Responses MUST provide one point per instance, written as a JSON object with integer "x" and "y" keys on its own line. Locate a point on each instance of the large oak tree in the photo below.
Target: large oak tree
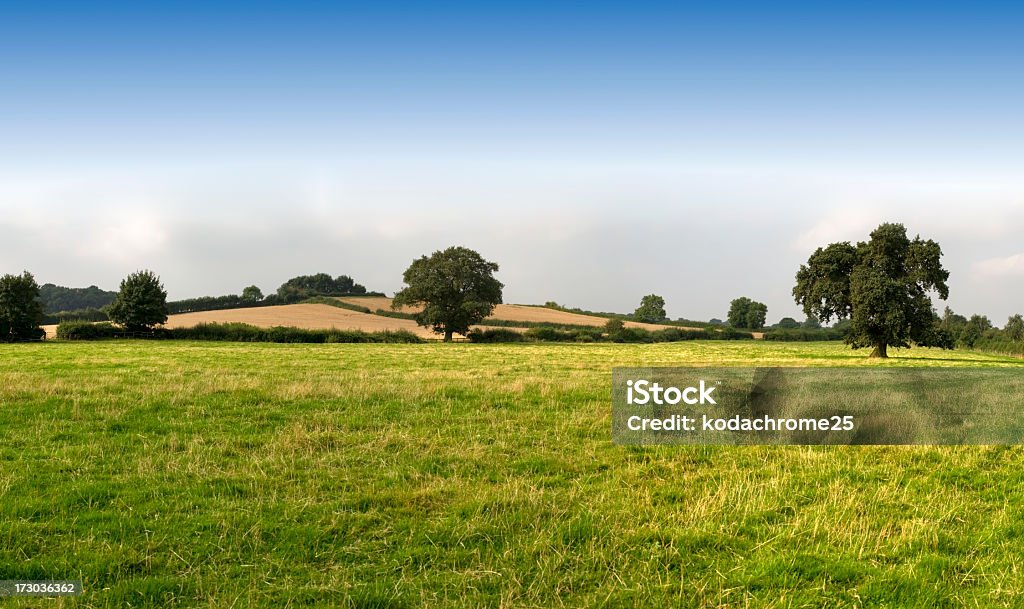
{"x": 883, "y": 286}
{"x": 456, "y": 288}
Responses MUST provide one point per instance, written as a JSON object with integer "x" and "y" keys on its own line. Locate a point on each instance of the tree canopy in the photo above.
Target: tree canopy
{"x": 141, "y": 303}
{"x": 56, "y": 298}
{"x": 455, "y": 287}
{"x": 21, "y": 310}
{"x": 320, "y": 284}
{"x": 881, "y": 285}
{"x": 748, "y": 314}
{"x": 651, "y": 309}
{"x": 252, "y": 294}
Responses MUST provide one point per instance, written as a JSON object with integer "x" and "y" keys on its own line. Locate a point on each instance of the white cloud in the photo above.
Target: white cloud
{"x": 125, "y": 237}
{"x": 846, "y": 224}
{"x": 1010, "y": 266}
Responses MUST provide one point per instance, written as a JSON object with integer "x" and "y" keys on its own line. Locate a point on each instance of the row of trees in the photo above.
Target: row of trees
{"x": 967, "y": 332}
{"x": 58, "y": 298}
{"x": 878, "y": 292}
{"x": 140, "y": 304}
{"x": 294, "y": 290}
{"x": 880, "y": 289}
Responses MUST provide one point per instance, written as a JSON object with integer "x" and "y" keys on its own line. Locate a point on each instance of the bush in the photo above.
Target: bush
{"x": 238, "y": 332}
{"x": 1004, "y": 346}
{"x": 672, "y": 335}
{"x": 495, "y": 335}
{"x": 84, "y": 330}
{"x": 633, "y": 335}
{"x": 803, "y": 335}
{"x": 550, "y": 334}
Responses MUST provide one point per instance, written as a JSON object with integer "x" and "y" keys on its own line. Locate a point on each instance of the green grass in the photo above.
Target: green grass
{"x": 213, "y": 475}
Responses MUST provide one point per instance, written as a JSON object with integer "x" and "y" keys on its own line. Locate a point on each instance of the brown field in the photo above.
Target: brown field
{"x": 310, "y": 316}
{"x": 513, "y": 312}
{"x": 320, "y": 316}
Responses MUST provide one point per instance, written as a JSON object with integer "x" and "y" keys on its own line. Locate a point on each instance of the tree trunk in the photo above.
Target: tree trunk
{"x": 880, "y": 350}
{"x": 447, "y": 336}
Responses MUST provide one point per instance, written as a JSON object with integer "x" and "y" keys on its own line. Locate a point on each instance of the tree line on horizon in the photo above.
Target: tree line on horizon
{"x": 878, "y": 292}
{"x": 90, "y": 304}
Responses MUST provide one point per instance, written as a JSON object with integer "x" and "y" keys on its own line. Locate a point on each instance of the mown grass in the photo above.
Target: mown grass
{"x": 189, "y": 474}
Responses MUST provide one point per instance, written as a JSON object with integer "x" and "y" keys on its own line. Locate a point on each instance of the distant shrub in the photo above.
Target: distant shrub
{"x": 281, "y": 334}
{"x": 1004, "y": 346}
{"x": 671, "y": 335}
{"x": 550, "y": 334}
{"x": 634, "y": 335}
{"x": 495, "y": 335}
{"x": 84, "y": 330}
{"x": 614, "y": 326}
{"x": 802, "y": 335}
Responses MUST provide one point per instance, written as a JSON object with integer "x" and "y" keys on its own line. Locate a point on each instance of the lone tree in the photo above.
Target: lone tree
{"x": 252, "y": 294}
{"x": 882, "y": 285}
{"x": 747, "y": 313}
{"x": 651, "y": 309}
{"x": 1014, "y": 327}
{"x": 141, "y": 303}
{"x": 21, "y": 310}
{"x": 456, "y": 288}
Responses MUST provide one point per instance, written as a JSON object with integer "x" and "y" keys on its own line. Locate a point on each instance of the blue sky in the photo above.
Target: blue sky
{"x": 699, "y": 153}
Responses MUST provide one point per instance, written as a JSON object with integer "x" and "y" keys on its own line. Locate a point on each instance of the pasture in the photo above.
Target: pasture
{"x": 186, "y": 474}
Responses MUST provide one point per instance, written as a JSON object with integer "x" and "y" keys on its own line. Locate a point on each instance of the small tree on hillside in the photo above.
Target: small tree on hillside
{"x": 651, "y": 309}
{"x": 252, "y": 294}
{"x": 882, "y": 285}
{"x": 21, "y": 311}
{"x": 748, "y": 314}
{"x": 141, "y": 303}
{"x": 456, "y": 288}
{"x": 613, "y": 328}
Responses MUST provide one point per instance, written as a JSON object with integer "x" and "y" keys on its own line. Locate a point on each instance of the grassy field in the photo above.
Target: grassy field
{"x": 229, "y": 475}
